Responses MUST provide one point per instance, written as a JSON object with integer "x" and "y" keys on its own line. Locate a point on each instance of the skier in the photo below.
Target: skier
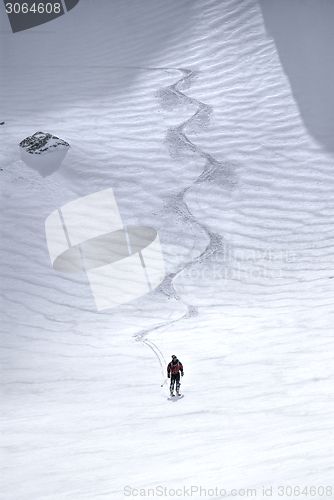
{"x": 173, "y": 372}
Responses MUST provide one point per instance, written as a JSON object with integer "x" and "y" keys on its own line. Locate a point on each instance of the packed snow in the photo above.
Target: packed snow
{"x": 183, "y": 108}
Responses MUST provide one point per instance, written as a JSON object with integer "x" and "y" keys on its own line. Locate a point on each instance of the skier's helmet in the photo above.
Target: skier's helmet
{"x": 174, "y": 357}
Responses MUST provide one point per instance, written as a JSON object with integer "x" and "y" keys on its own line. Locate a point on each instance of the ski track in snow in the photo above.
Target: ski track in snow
{"x": 177, "y": 139}
{"x": 82, "y": 412}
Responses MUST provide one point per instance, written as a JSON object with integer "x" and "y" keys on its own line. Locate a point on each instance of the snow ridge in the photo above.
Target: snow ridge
{"x": 213, "y": 171}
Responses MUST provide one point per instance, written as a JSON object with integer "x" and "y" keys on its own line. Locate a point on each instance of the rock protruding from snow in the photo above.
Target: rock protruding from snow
{"x": 40, "y": 143}
{"x": 43, "y": 152}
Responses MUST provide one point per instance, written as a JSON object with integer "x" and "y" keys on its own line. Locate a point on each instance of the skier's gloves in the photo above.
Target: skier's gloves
{"x": 182, "y": 374}
{"x": 168, "y": 375}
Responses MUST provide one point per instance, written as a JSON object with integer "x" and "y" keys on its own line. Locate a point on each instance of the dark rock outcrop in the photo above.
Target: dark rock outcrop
{"x": 43, "y": 152}
{"x": 41, "y": 143}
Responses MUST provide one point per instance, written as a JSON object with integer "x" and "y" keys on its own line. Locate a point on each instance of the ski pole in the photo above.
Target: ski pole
{"x": 164, "y": 382}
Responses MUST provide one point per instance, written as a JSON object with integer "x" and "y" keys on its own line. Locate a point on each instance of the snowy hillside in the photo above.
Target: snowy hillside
{"x": 184, "y": 110}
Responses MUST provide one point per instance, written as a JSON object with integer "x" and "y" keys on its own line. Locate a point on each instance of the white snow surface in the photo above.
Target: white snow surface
{"x": 83, "y": 411}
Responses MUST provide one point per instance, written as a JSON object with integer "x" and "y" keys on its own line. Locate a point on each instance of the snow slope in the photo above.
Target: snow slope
{"x": 183, "y": 109}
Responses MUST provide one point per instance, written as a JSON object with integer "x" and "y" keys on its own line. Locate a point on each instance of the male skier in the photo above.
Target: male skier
{"x": 173, "y": 372}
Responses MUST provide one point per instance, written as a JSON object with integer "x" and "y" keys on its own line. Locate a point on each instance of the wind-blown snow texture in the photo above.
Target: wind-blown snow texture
{"x": 183, "y": 109}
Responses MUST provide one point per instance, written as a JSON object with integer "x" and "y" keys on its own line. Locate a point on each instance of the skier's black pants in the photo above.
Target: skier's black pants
{"x": 173, "y": 379}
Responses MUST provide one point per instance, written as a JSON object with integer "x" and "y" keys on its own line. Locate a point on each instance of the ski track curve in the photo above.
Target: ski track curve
{"x": 213, "y": 170}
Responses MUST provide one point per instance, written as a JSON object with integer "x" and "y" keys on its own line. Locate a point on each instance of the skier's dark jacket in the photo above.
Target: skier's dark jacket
{"x": 174, "y": 368}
